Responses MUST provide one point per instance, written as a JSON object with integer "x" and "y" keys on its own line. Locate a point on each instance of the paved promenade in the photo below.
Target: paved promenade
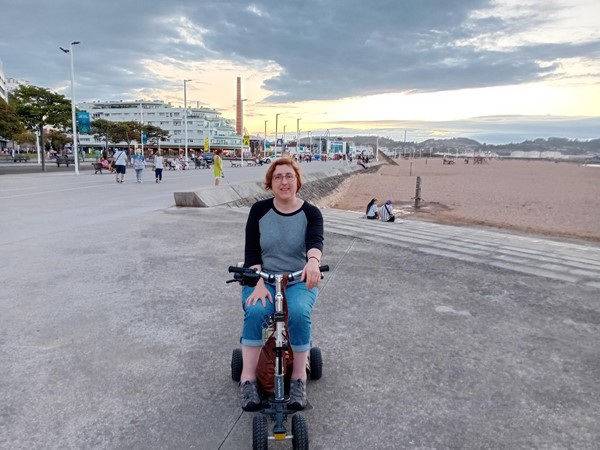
{"x": 116, "y": 326}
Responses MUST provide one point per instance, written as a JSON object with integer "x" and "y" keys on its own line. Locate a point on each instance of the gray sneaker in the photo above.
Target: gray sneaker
{"x": 249, "y": 396}
{"x": 297, "y": 395}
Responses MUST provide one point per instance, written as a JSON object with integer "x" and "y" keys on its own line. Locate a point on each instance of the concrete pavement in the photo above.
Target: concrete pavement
{"x": 432, "y": 336}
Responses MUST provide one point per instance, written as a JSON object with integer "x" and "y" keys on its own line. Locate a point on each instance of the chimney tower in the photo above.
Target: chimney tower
{"x": 239, "y": 125}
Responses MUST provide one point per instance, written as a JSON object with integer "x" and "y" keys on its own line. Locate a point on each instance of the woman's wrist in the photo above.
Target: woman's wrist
{"x": 314, "y": 257}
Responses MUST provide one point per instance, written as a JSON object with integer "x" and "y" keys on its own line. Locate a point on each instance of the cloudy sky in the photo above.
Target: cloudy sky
{"x": 496, "y": 71}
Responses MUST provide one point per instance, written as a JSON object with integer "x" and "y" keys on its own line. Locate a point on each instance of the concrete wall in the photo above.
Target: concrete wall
{"x": 315, "y": 185}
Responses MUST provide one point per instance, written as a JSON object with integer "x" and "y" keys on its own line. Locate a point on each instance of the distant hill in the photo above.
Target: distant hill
{"x": 562, "y": 145}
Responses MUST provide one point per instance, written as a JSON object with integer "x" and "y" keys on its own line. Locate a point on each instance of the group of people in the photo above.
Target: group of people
{"x": 117, "y": 163}
{"x": 178, "y": 164}
{"x": 385, "y": 212}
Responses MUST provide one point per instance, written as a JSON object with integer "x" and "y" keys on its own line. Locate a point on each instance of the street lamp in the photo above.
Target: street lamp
{"x": 276, "y": 135}
{"x": 283, "y": 141}
{"x": 185, "y": 116}
{"x": 73, "y": 118}
{"x": 142, "y": 128}
{"x": 265, "y": 141}
{"x": 242, "y": 132}
{"x": 298, "y": 135}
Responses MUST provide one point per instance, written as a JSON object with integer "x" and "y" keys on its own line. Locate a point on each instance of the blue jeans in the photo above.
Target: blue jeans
{"x": 300, "y": 301}
{"x": 138, "y": 174}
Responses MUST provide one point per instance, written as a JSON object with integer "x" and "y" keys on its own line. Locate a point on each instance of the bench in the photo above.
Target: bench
{"x": 235, "y": 164}
{"x": 19, "y": 157}
{"x": 98, "y": 168}
{"x": 200, "y": 164}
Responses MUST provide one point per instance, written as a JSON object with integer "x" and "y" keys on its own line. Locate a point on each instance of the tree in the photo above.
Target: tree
{"x": 125, "y": 131}
{"x": 10, "y": 124}
{"x": 58, "y": 140}
{"x": 25, "y": 137}
{"x": 38, "y": 106}
{"x": 155, "y": 134}
{"x": 103, "y": 129}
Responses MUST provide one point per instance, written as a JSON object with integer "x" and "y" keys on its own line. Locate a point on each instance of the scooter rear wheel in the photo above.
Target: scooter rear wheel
{"x": 300, "y": 432}
{"x": 260, "y": 433}
{"x": 316, "y": 363}
{"x": 237, "y": 364}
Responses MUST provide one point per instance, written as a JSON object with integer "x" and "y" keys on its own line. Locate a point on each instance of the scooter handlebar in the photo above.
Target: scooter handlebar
{"x": 247, "y": 272}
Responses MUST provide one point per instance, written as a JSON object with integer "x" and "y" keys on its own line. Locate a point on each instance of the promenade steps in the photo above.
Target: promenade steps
{"x": 566, "y": 261}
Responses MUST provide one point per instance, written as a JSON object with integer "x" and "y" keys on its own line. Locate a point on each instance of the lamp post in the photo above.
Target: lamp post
{"x": 242, "y": 132}
{"x": 265, "y": 141}
{"x": 142, "y": 128}
{"x": 185, "y": 116}
{"x": 310, "y": 141}
{"x": 73, "y": 115}
{"x": 298, "y": 135}
{"x": 276, "y": 134}
{"x": 283, "y": 140}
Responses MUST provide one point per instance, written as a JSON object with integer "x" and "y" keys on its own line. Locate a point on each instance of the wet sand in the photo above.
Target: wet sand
{"x": 556, "y": 199}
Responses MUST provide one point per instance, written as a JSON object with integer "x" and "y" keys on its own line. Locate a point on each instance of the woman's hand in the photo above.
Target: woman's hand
{"x": 261, "y": 293}
{"x": 311, "y": 274}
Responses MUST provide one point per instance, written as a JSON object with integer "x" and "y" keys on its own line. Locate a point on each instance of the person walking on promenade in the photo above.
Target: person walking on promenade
{"x": 159, "y": 165}
{"x": 138, "y": 162}
{"x": 284, "y": 234}
{"x": 120, "y": 163}
{"x": 218, "y": 167}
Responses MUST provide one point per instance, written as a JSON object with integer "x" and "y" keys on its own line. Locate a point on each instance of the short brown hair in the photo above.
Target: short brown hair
{"x": 268, "y": 183}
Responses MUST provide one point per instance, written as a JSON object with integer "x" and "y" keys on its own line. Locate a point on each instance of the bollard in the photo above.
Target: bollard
{"x": 418, "y": 193}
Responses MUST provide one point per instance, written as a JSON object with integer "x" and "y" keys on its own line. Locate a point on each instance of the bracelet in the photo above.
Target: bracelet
{"x": 318, "y": 260}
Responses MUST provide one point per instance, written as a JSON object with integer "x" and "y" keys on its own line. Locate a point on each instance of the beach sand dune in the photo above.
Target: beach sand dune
{"x": 558, "y": 199}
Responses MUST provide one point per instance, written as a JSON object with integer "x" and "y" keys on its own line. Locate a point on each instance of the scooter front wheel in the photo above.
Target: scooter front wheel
{"x": 300, "y": 432}
{"x": 260, "y": 433}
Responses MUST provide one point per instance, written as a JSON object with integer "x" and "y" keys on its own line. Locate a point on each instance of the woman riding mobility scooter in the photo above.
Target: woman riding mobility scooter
{"x": 275, "y": 405}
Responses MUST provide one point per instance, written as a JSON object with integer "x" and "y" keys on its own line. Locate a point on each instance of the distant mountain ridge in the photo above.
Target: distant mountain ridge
{"x": 562, "y": 145}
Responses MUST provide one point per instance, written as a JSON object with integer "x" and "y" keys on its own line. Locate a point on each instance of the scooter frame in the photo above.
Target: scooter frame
{"x": 277, "y": 407}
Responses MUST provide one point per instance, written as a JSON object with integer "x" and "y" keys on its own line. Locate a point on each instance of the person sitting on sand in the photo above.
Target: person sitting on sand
{"x": 372, "y": 210}
{"x": 386, "y": 212}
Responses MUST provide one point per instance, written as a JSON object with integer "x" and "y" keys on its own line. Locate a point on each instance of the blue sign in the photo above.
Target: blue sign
{"x": 144, "y": 138}
{"x": 83, "y": 122}
{"x": 267, "y": 144}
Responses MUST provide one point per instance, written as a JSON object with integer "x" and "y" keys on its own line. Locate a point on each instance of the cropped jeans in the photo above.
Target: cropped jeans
{"x": 300, "y": 301}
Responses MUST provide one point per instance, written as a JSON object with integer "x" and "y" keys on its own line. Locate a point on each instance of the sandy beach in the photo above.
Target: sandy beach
{"x": 557, "y": 199}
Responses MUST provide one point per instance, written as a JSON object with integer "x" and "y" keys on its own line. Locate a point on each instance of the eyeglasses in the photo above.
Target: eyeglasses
{"x": 288, "y": 177}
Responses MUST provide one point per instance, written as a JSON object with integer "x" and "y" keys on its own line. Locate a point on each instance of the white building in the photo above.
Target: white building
{"x": 14, "y": 83}
{"x": 202, "y": 122}
{"x": 3, "y": 85}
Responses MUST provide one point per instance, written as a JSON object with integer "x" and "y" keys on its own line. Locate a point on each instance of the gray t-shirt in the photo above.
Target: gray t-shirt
{"x": 280, "y": 241}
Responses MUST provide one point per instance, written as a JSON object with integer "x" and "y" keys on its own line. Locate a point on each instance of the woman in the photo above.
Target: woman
{"x": 284, "y": 234}
{"x": 372, "y": 210}
{"x": 158, "y": 166}
{"x": 138, "y": 162}
{"x": 218, "y": 167}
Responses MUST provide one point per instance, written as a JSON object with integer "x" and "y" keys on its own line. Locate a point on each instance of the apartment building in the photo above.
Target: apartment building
{"x": 3, "y": 85}
{"x": 202, "y": 123}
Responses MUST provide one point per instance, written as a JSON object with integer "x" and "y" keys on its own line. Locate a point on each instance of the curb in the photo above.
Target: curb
{"x": 314, "y": 185}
